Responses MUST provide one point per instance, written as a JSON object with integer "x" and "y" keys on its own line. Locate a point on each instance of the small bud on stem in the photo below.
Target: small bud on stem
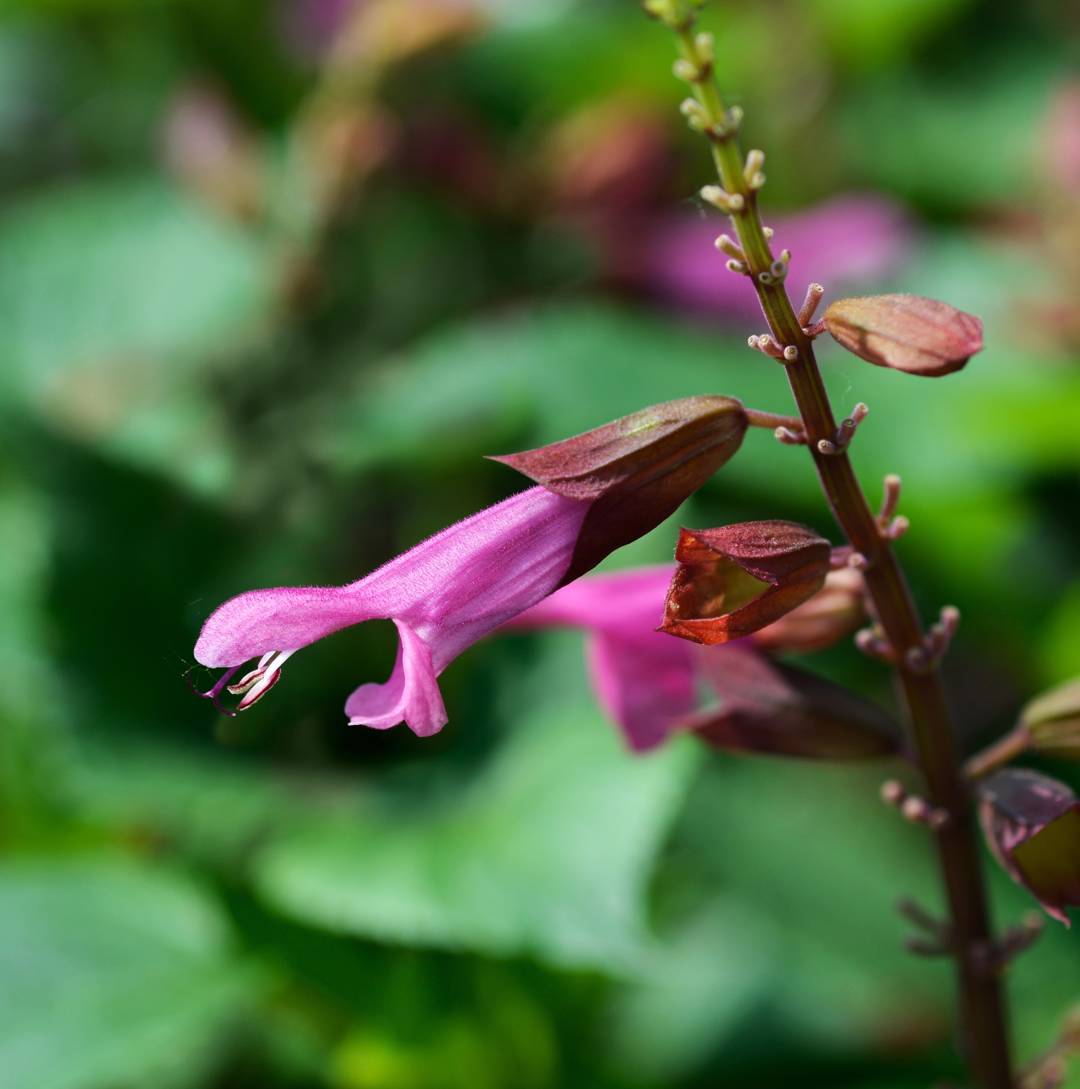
{"x": 752, "y": 171}
{"x": 890, "y": 499}
{"x": 872, "y": 642}
{"x": 728, "y": 245}
{"x": 814, "y": 295}
{"x": 729, "y": 203}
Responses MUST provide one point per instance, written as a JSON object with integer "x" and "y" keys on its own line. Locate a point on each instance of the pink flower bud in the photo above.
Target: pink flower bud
{"x": 735, "y": 580}
{"x": 906, "y": 332}
{"x": 1032, "y": 825}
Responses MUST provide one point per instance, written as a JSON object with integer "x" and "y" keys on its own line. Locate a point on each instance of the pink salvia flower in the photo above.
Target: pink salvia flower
{"x": 443, "y": 595}
{"x": 598, "y": 491}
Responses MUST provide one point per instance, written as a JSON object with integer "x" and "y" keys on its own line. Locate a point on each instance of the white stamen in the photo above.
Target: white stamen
{"x": 257, "y": 683}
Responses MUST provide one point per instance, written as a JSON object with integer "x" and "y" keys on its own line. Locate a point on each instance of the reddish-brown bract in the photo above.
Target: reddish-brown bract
{"x": 734, "y": 580}
{"x": 636, "y": 470}
{"x": 906, "y": 332}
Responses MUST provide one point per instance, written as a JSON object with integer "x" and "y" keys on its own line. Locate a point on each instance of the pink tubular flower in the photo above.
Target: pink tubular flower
{"x": 599, "y": 490}
{"x": 647, "y": 681}
{"x": 644, "y": 680}
{"x": 443, "y": 595}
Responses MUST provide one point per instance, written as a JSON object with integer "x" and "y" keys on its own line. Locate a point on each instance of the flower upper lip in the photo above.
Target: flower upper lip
{"x": 443, "y": 595}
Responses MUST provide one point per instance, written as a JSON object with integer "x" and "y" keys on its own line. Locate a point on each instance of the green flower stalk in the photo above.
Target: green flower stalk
{"x": 897, "y": 636}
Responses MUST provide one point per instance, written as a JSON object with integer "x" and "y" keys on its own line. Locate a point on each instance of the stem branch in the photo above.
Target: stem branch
{"x": 1001, "y": 752}
{"x": 984, "y": 1033}
{"x": 772, "y": 420}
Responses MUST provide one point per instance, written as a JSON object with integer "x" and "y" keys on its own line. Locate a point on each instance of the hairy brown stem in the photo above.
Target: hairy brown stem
{"x": 984, "y": 1033}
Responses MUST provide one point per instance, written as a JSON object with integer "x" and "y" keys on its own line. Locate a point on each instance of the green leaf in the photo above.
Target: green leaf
{"x": 113, "y": 296}
{"x": 114, "y": 975}
{"x": 868, "y": 36}
{"x": 712, "y": 971}
{"x": 996, "y": 106}
{"x": 804, "y": 865}
{"x": 547, "y": 852}
{"x": 210, "y": 802}
{"x": 34, "y": 730}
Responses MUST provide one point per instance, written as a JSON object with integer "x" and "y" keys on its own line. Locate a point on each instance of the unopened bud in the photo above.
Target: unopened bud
{"x": 833, "y": 613}
{"x": 636, "y": 470}
{"x": 737, "y": 579}
{"x": 686, "y": 70}
{"x": 752, "y": 171}
{"x": 695, "y": 114}
{"x": 722, "y": 199}
{"x": 905, "y": 332}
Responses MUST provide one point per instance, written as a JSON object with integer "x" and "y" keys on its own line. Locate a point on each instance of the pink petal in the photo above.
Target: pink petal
{"x": 451, "y": 588}
{"x": 287, "y": 617}
{"x": 644, "y": 681}
{"x": 625, "y": 601}
{"x": 411, "y": 695}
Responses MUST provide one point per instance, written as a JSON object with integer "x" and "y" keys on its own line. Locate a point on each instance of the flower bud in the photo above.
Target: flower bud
{"x": 766, "y": 707}
{"x": 1032, "y": 825}
{"x": 905, "y": 332}
{"x": 1052, "y": 720}
{"x": 835, "y": 611}
{"x": 735, "y": 580}
{"x": 636, "y": 470}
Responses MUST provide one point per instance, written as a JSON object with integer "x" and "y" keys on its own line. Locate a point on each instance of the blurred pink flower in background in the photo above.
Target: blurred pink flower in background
{"x": 1063, "y": 137}
{"x": 644, "y": 680}
{"x": 846, "y": 240}
{"x": 648, "y": 682}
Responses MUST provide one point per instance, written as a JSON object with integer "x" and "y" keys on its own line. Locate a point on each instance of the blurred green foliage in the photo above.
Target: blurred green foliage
{"x": 264, "y": 307}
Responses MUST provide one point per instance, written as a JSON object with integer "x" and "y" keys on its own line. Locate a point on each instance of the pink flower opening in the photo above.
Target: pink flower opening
{"x": 443, "y": 595}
